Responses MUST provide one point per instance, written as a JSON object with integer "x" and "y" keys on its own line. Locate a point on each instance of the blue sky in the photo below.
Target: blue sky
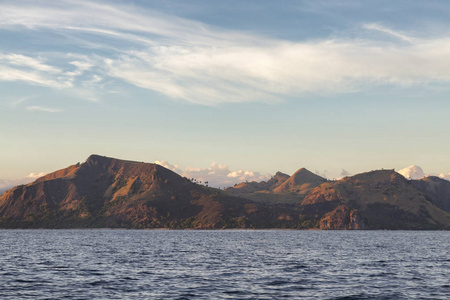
{"x": 237, "y": 89}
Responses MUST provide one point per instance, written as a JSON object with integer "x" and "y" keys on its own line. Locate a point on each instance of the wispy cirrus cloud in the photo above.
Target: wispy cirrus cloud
{"x": 188, "y": 60}
{"x": 31, "y": 77}
{"x": 389, "y": 31}
{"x": 44, "y": 109}
{"x": 35, "y": 71}
{"x": 29, "y": 62}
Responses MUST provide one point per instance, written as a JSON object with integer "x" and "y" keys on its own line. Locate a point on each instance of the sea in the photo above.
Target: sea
{"x": 224, "y": 264}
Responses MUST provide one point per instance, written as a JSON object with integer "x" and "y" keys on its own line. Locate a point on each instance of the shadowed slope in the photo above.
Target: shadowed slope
{"x": 436, "y": 189}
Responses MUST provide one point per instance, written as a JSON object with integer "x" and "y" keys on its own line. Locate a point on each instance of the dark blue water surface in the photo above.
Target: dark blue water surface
{"x": 161, "y": 264}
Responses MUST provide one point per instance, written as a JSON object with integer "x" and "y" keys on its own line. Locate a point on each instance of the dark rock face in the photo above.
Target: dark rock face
{"x": 342, "y": 217}
{"x": 276, "y": 181}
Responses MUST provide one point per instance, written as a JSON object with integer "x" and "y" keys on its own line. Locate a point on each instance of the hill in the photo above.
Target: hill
{"x": 380, "y": 199}
{"x": 252, "y": 187}
{"x": 281, "y": 189}
{"x": 108, "y": 192}
{"x": 436, "y": 189}
{"x": 301, "y": 182}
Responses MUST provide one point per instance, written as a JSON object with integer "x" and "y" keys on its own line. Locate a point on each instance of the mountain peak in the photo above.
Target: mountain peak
{"x": 280, "y": 174}
{"x": 302, "y": 170}
{"x": 278, "y": 178}
{"x": 302, "y": 180}
{"x": 251, "y": 187}
{"x": 94, "y": 158}
{"x": 303, "y": 174}
{"x": 383, "y": 175}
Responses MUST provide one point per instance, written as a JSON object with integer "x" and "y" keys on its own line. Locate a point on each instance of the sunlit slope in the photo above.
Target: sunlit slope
{"x": 108, "y": 192}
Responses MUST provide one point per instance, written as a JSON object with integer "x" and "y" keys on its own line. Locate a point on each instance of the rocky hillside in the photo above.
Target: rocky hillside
{"x": 375, "y": 200}
{"x": 301, "y": 182}
{"x": 107, "y": 192}
{"x": 380, "y": 199}
{"x": 281, "y": 189}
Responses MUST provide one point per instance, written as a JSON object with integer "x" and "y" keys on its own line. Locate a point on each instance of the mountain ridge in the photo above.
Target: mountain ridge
{"x": 109, "y": 192}
{"x": 300, "y": 181}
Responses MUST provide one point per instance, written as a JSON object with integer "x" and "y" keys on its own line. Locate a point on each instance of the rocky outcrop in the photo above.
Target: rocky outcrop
{"x": 342, "y": 217}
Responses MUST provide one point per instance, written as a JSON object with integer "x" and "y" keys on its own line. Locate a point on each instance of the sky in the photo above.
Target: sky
{"x": 225, "y": 91}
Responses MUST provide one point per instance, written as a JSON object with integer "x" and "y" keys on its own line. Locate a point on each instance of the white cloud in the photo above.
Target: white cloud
{"x": 18, "y": 67}
{"x": 445, "y": 176}
{"x": 416, "y": 172}
{"x": 32, "y": 77}
{"x": 241, "y": 173}
{"x": 35, "y": 175}
{"x": 412, "y": 172}
{"x": 194, "y": 62}
{"x": 217, "y": 175}
{"x": 169, "y": 166}
{"x": 80, "y": 66}
{"x": 9, "y": 183}
{"x": 44, "y": 109}
{"x": 26, "y": 61}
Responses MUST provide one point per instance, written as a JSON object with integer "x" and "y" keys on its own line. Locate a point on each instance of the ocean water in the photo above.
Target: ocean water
{"x": 234, "y": 264}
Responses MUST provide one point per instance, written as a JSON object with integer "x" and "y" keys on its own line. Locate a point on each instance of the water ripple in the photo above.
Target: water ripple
{"x": 118, "y": 264}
